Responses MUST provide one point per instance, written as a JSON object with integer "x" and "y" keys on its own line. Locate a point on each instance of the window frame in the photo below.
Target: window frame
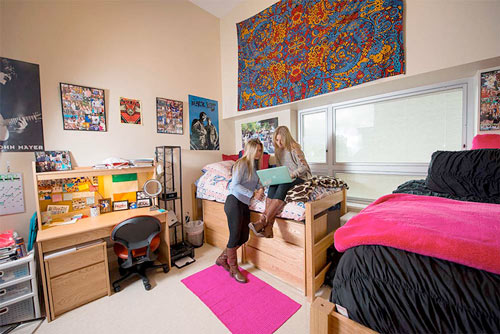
{"x": 301, "y": 114}
{"x": 329, "y": 168}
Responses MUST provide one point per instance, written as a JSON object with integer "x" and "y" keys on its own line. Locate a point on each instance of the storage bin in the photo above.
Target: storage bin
{"x": 14, "y": 291}
{"x": 15, "y": 272}
{"x": 194, "y": 232}
{"x": 20, "y": 311}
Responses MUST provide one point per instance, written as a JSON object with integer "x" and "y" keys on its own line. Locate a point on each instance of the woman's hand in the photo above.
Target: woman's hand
{"x": 259, "y": 194}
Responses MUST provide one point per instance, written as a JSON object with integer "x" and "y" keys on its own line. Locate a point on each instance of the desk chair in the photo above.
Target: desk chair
{"x": 136, "y": 239}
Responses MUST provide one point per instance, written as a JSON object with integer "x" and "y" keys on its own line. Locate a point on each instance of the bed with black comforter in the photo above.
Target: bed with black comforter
{"x": 394, "y": 291}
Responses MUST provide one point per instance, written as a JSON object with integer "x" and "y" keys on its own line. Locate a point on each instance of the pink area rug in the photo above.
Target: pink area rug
{"x": 254, "y": 307}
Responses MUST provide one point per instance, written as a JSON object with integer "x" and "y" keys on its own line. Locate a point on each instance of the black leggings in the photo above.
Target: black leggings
{"x": 278, "y": 191}
{"x": 238, "y": 218}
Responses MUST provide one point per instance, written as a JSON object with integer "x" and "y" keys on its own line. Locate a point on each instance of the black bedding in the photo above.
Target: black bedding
{"x": 394, "y": 291}
{"x": 419, "y": 187}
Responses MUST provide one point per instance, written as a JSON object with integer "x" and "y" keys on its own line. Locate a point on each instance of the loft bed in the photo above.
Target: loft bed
{"x": 298, "y": 252}
{"x": 448, "y": 282}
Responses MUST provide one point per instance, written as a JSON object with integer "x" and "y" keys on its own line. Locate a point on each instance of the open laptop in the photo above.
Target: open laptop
{"x": 272, "y": 176}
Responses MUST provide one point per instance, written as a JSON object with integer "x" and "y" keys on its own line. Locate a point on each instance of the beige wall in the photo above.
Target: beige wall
{"x": 132, "y": 49}
{"x": 439, "y": 36}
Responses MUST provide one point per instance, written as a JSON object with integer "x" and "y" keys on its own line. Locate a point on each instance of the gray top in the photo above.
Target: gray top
{"x": 295, "y": 161}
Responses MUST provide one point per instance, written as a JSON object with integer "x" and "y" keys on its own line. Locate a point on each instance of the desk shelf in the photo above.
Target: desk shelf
{"x": 89, "y": 171}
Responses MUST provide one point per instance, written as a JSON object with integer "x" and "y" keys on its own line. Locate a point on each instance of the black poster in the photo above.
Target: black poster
{"x": 20, "y": 107}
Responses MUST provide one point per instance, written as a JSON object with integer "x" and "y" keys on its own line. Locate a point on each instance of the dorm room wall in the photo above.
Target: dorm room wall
{"x": 444, "y": 40}
{"x": 134, "y": 49}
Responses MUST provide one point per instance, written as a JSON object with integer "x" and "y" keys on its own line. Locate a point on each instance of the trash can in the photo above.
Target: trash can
{"x": 194, "y": 232}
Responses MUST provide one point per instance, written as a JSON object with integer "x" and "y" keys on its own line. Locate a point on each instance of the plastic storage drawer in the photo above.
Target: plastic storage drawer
{"x": 15, "y": 272}
{"x": 22, "y": 310}
{"x": 14, "y": 291}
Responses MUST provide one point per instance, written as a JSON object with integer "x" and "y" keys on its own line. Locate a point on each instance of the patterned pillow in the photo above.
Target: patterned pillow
{"x": 221, "y": 168}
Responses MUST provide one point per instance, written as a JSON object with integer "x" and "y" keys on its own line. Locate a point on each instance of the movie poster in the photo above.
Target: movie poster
{"x": 20, "y": 107}
{"x": 203, "y": 123}
{"x": 263, "y": 130}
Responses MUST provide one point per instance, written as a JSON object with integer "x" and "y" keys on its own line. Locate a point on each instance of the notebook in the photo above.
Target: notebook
{"x": 272, "y": 176}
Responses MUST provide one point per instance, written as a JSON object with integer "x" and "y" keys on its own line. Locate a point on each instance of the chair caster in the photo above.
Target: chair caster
{"x": 165, "y": 269}
{"x": 147, "y": 287}
{"x": 116, "y": 288}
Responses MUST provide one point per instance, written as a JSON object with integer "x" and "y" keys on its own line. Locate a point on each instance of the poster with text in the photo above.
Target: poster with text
{"x": 263, "y": 130}
{"x": 203, "y": 123}
{"x": 130, "y": 111}
{"x": 20, "y": 107}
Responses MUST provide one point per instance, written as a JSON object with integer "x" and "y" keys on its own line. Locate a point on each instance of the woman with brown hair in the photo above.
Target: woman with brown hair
{"x": 243, "y": 186}
{"x": 288, "y": 153}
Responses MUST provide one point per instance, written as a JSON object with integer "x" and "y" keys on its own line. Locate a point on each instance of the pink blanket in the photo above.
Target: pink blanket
{"x": 463, "y": 232}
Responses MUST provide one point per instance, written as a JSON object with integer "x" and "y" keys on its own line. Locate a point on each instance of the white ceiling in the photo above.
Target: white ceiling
{"x": 218, "y": 8}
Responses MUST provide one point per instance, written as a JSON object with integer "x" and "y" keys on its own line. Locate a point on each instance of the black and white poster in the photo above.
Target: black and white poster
{"x": 20, "y": 107}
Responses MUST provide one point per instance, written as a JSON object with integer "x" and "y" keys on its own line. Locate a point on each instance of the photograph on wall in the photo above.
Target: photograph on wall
{"x": 52, "y": 161}
{"x": 489, "y": 100}
{"x": 130, "y": 111}
{"x": 20, "y": 107}
{"x": 83, "y": 108}
{"x": 169, "y": 116}
{"x": 263, "y": 130}
{"x": 203, "y": 123}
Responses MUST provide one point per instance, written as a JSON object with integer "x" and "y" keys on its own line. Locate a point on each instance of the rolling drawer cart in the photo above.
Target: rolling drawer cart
{"x": 18, "y": 291}
{"x": 169, "y": 169}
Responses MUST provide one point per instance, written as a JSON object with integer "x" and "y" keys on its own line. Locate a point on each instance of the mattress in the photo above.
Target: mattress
{"x": 394, "y": 291}
{"x": 213, "y": 187}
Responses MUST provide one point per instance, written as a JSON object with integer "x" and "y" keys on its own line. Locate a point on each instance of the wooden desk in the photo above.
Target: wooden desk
{"x": 89, "y": 229}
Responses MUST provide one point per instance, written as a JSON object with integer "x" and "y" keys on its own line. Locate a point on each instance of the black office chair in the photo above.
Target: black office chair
{"x": 136, "y": 240}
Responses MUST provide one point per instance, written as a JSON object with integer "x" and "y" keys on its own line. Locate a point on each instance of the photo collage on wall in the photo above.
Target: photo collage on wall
{"x": 263, "y": 130}
{"x": 83, "y": 108}
{"x": 20, "y": 107}
{"x": 169, "y": 116}
{"x": 489, "y": 100}
{"x": 204, "y": 123}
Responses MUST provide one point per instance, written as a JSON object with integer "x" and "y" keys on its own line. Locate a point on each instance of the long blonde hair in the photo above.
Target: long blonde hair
{"x": 248, "y": 157}
{"x": 286, "y": 137}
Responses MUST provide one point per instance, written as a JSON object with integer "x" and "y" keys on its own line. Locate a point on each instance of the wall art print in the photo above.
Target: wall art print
{"x": 20, "y": 107}
{"x": 297, "y": 49}
{"x": 83, "y": 108}
{"x": 489, "y": 100}
{"x": 263, "y": 130}
{"x": 169, "y": 116}
{"x": 130, "y": 111}
{"x": 204, "y": 123}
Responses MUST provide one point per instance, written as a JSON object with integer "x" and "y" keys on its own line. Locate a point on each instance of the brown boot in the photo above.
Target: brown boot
{"x": 276, "y": 206}
{"x": 258, "y": 227}
{"x": 232, "y": 260}
{"x": 222, "y": 260}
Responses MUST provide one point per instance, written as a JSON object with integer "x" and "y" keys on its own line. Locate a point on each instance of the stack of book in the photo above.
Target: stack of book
{"x": 142, "y": 162}
{"x": 8, "y": 253}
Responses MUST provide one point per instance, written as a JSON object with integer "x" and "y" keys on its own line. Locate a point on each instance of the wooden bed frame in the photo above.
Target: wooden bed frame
{"x": 325, "y": 320}
{"x": 296, "y": 254}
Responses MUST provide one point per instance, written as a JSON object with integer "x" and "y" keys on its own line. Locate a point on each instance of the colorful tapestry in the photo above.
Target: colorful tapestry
{"x": 298, "y": 49}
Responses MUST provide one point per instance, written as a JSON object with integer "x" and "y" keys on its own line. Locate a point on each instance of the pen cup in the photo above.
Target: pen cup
{"x": 94, "y": 211}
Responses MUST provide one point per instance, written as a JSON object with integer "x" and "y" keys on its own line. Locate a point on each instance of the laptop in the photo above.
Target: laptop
{"x": 272, "y": 176}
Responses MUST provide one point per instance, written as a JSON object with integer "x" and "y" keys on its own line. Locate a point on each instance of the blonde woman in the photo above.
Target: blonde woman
{"x": 288, "y": 153}
{"x": 243, "y": 186}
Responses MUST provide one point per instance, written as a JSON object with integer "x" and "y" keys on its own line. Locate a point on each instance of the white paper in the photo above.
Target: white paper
{"x": 11, "y": 193}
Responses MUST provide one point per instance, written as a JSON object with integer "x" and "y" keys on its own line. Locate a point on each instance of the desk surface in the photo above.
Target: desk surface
{"x": 95, "y": 223}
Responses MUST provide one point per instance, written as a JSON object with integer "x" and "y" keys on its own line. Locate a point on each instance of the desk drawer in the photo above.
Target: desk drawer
{"x": 78, "y": 259}
{"x": 79, "y": 287}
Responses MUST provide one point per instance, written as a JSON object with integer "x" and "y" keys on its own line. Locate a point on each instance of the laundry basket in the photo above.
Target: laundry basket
{"x": 194, "y": 232}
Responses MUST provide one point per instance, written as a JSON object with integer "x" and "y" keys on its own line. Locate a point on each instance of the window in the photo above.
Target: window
{"x": 314, "y": 136}
{"x": 380, "y": 142}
